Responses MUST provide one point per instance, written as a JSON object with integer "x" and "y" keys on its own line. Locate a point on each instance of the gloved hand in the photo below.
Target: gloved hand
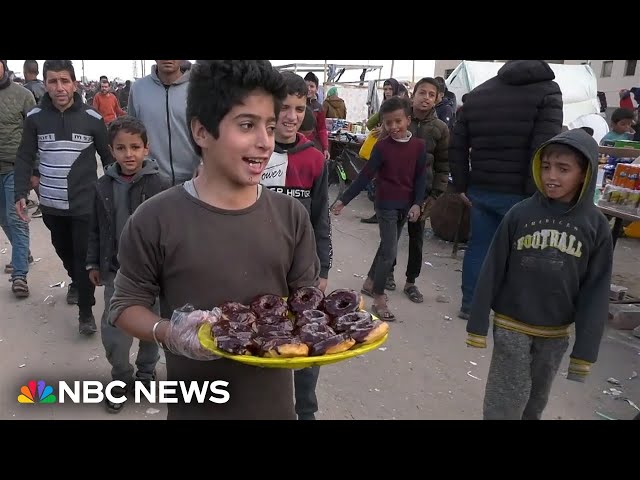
{"x": 181, "y": 337}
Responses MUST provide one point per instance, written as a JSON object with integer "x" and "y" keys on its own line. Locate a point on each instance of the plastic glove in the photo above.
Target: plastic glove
{"x": 182, "y": 335}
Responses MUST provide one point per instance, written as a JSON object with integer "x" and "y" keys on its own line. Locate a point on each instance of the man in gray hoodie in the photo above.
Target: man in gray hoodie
{"x": 159, "y": 100}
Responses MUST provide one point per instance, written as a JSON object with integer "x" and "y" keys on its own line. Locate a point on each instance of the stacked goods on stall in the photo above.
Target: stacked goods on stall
{"x": 623, "y": 192}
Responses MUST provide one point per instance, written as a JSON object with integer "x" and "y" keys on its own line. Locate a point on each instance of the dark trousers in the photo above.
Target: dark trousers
{"x": 70, "y": 237}
{"x": 305, "y": 381}
{"x": 522, "y": 371}
{"x": 416, "y": 240}
{"x": 390, "y": 223}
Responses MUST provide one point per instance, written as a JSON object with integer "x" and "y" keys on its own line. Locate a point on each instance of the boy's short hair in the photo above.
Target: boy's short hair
{"x": 296, "y": 85}
{"x": 620, "y": 114}
{"x": 430, "y": 81}
{"x": 311, "y": 77}
{"x": 130, "y": 125}
{"x": 59, "y": 66}
{"x": 216, "y": 86}
{"x": 395, "y": 103}
{"x": 563, "y": 149}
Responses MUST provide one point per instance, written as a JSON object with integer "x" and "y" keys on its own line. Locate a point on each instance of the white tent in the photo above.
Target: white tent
{"x": 578, "y": 84}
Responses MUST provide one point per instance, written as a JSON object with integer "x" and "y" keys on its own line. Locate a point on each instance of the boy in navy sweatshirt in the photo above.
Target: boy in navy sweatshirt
{"x": 402, "y": 165}
{"x": 548, "y": 267}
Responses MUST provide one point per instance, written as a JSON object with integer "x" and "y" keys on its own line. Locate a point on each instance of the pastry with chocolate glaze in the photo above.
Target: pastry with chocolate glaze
{"x": 361, "y": 327}
{"x": 342, "y": 301}
{"x": 332, "y": 345}
{"x": 284, "y": 347}
{"x": 237, "y": 344}
{"x": 271, "y": 305}
{"x": 305, "y": 298}
{"x": 313, "y": 333}
{"x": 312, "y": 316}
{"x": 237, "y": 312}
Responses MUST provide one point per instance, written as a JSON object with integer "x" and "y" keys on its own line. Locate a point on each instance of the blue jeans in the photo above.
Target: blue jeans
{"x": 16, "y": 230}
{"x": 488, "y": 210}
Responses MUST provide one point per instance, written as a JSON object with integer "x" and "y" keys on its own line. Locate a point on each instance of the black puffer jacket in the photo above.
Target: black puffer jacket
{"x": 503, "y": 122}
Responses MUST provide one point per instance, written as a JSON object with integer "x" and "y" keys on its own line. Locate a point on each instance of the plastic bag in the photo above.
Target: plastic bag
{"x": 182, "y": 334}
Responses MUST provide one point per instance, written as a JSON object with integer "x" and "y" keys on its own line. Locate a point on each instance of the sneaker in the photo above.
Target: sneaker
{"x": 72, "y": 295}
{"x": 37, "y": 213}
{"x": 20, "y": 288}
{"x": 31, "y": 204}
{"x": 113, "y": 407}
{"x": 372, "y": 219}
{"x": 464, "y": 314}
{"x": 87, "y": 324}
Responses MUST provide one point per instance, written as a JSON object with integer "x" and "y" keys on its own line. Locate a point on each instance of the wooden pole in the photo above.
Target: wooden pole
{"x": 325, "y": 71}
{"x": 393, "y": 62}
{"x": 413, "y": 72}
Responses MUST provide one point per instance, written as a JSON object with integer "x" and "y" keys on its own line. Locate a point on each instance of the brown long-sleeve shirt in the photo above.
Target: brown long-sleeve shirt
{"x": 187, "y": 251}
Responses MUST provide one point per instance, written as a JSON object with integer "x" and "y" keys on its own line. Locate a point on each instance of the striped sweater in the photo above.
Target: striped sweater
{"x": 66, "y": 144}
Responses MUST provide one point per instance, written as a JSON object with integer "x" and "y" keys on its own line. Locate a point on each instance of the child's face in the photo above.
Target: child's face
{"x": 425, "y": 97}
{"x": 129, "y": 151}
{"x": 562, "y": 176}
{"x": 396, "y": 124}
{"x": 290, "y": 118}
{"x": 623, "y": 126}
{"x": 247, "y": 137}
{"x": 387, "y": 91}
{"x": 313, "y": 89}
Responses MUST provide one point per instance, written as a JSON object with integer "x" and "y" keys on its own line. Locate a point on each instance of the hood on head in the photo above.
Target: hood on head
{"x": 579, "y": 139}
{"x": 395, "y": 86}
{"x": 525, "y": 72}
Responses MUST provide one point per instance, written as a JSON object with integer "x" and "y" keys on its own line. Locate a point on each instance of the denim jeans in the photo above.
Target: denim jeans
{"x": 16, "y": 230}
{"x": 488, "y": 210}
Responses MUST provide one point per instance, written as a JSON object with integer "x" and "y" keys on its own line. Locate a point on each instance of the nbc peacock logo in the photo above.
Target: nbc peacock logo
{"x": 36, "y": 392}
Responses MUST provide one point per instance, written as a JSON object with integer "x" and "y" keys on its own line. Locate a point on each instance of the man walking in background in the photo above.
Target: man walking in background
{"x": 503, "y": 122}
{"x": 159, "y": 100}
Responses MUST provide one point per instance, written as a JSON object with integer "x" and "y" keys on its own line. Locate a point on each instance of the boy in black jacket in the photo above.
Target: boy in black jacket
{"x": 549, "y": 266}
{"x": 124, "y": 186}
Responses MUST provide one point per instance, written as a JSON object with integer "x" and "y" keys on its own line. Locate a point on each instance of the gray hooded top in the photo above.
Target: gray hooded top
{"x": 550, "y": 262}
{"x": 163, "y": 110}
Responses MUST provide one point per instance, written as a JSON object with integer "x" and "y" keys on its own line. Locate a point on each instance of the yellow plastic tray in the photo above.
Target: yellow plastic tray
{"x": 204, "y": 335}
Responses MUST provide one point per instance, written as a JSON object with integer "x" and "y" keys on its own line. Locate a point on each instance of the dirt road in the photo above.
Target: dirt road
{"x": 424, "y": 371}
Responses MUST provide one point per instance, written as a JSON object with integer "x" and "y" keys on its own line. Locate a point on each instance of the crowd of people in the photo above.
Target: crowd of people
{"x": 215, "y": 189}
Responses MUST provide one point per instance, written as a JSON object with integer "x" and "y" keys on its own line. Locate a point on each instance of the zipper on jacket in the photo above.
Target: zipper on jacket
{"x": 173, "y": 173}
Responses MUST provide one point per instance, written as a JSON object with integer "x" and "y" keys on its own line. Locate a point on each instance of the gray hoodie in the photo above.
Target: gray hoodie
{"x": 163, "y": 110}
{"x": 550, "y": 264}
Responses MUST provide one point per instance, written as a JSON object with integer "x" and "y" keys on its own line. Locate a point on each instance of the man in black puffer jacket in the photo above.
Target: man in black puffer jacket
{"x": 503, "y": 122}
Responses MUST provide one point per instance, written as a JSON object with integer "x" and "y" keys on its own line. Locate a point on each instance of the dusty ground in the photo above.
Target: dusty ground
{"x": 424, "y": 371}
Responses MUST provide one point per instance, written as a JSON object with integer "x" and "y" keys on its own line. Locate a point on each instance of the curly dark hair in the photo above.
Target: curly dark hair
{"x": 395, "y": 103}
{"x": 295, "y": 84}
{"x": 216, "y": 86}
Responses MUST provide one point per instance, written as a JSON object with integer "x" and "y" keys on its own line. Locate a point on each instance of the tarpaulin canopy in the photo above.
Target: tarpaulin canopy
{"x": 578, "y": 84}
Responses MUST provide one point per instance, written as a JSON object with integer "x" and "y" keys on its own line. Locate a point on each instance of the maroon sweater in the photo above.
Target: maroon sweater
{"x": 401, "y": 170}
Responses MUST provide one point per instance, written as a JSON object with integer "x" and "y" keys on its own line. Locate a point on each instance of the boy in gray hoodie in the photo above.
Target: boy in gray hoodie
{"x": 548, "y": 267}
{"x": 119, "y": 192}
